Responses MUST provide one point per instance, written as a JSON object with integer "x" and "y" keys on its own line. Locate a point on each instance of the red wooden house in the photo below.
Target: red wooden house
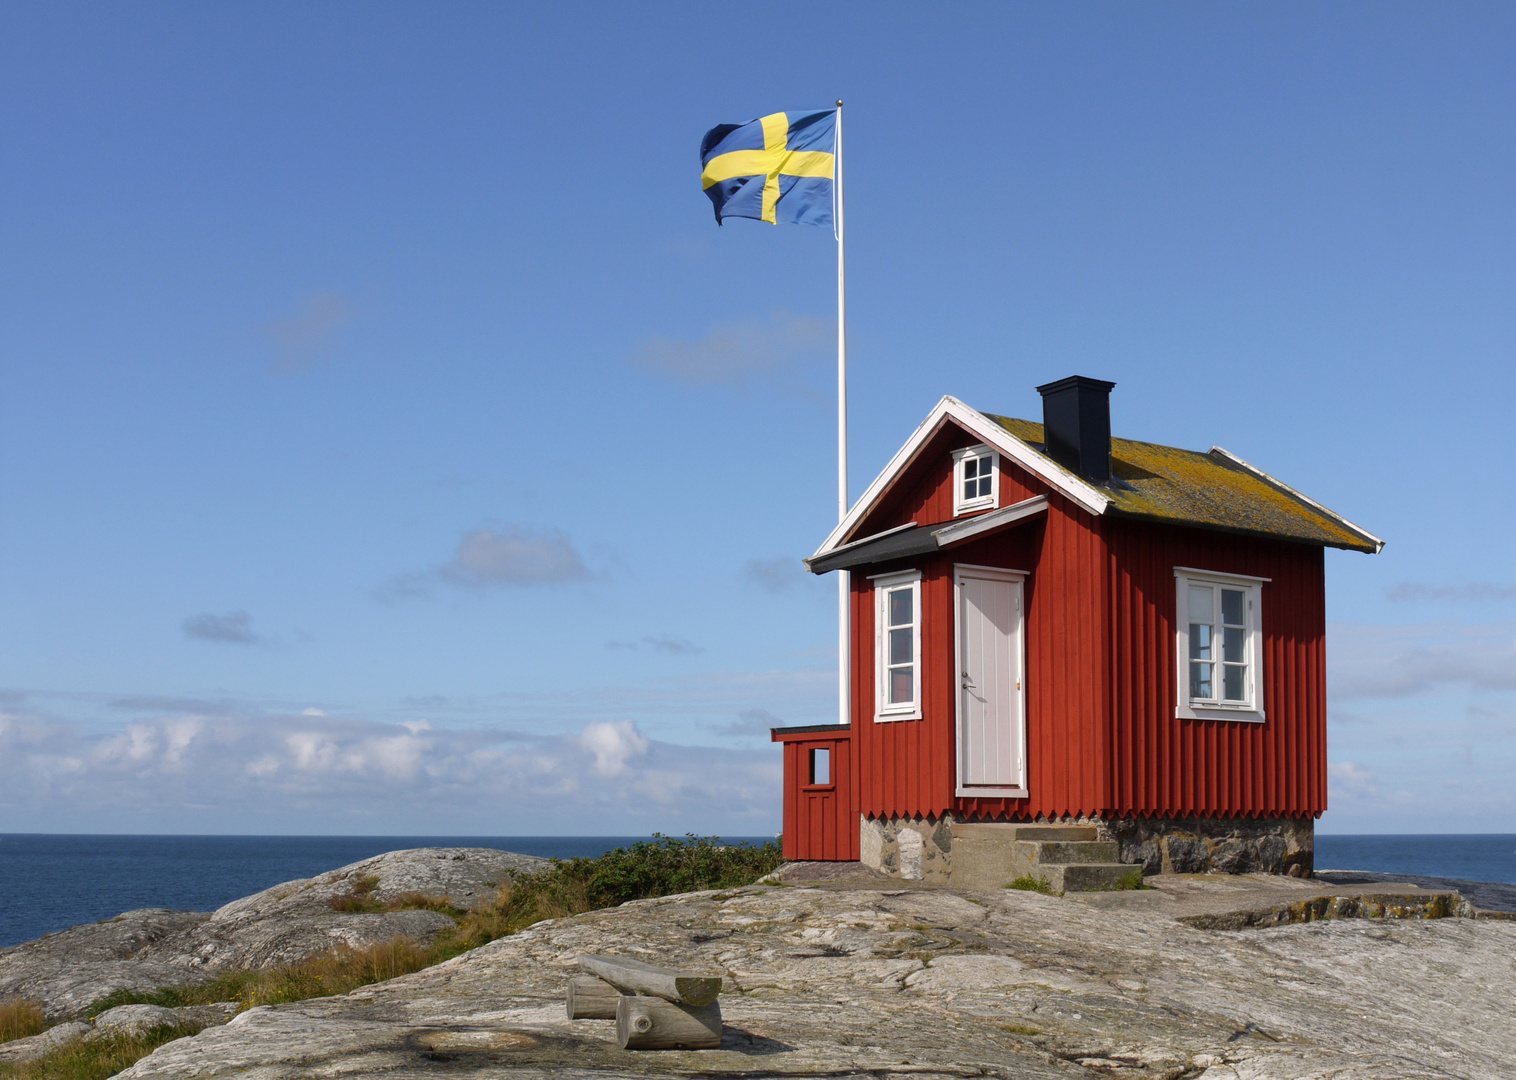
{"x": 1052, "y": 626}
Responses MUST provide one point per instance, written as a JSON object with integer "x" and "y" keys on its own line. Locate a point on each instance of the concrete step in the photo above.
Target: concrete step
{"x": 1087, "y": 877}
{"x": 1010, "y": 830}
{"x": 991, "y": 855}
{"x": 1044, "y": 852}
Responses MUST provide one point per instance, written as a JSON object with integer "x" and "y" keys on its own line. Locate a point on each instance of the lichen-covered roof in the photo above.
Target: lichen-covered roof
{"x": 1211, "y": 490}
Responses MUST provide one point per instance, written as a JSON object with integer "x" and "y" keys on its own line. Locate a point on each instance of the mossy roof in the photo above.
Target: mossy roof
{"x": 1211, "y": 490}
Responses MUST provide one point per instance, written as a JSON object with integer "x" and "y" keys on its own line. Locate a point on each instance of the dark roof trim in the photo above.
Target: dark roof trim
{"x": 843, "y": 731}
{"x": 903, "y": 541}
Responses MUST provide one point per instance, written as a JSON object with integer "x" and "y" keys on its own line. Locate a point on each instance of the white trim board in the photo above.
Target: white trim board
{"x": 960, "y": 531}
{"x": 951, "y": 410}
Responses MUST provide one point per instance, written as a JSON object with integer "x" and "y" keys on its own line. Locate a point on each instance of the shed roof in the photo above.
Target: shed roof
{"x": 1215, "y": 490}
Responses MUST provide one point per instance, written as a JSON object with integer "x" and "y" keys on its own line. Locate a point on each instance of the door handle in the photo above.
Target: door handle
{"x": 967, "y": 685}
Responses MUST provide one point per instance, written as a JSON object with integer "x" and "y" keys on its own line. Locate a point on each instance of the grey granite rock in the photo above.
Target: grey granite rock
{"x": 66, "y": 971}
{"x": 141, "y": 950}
{"x": 854, "y": 978}
{"x": 132, "y": 1020}
{"x": 18, "y": 1051}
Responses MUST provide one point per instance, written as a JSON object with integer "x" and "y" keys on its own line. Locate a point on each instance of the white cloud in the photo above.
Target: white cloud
{"x": 775, "y": 575}
{"x": 486, "y": 558}
{"x": 664, "y": 643}
{"x": 276, "y": 772}
{"x": 752, "y": 722}
{"x": 512, "y": 555}
{"x": 736, "y": 352}
{"x": 613, "y": 744}
{"x": 1350, "y": 779}
{"x": 1473, "y": 591}
{"x": 233, "y": 628}
{"x": 1369, "y": 661}
{"x": 302, "y": 338}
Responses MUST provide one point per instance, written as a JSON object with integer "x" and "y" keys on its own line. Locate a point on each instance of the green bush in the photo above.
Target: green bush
{"x": 1032, "y": 884}
{"x": 657, "y": 867}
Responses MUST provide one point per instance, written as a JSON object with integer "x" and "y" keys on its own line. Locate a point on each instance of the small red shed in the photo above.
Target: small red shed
{"x": 1050, "y": 625}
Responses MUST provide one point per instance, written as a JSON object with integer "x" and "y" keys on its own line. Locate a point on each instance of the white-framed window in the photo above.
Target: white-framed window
{"x": 1219, "y": 644}
{"x": 976, "y": 479}
{"x": 897, "y": 646}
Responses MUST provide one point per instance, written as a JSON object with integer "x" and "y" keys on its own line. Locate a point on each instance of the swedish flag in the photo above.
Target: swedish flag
{"x": 777, "y": 169}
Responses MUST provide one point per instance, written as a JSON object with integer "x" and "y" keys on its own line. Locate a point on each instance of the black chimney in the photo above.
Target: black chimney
{"x": 1076, "y": 425}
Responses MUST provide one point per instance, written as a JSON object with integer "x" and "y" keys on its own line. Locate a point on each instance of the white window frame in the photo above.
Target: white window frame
{"x": 979, "y": 502}
{"x": 884, "y": 584}
{"x": 1188, "y": 708}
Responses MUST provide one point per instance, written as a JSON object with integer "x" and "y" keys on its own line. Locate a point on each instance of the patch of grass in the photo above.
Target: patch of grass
{"x": 335, "y": 972}
{"x": 20, "y": 1018}
{"x": 1018, "y": 1029}
{"x": 228, "y": 986}
{"x": 1133, "y": 880}
{"x": 418, "y": 901}
{"x": 97, "y": 1059}
{"x": 359, "y": 899}
{"x": 1028, "y": 883}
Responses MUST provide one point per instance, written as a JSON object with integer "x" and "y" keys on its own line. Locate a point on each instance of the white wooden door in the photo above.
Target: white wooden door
{"x": 991, "y": 713}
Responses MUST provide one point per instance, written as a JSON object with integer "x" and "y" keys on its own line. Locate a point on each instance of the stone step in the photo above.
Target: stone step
{"x": 1086, "y": 877}
{"x": 1045, "y": 852}
{"x": 1011, "y": 830}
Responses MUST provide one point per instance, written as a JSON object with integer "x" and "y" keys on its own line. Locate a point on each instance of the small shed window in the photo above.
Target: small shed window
{"x": 897, "y": 646}
{"x": 1219, "y": 644}
{"x": 976, "y": 479}
{"x": 821, "y": 766}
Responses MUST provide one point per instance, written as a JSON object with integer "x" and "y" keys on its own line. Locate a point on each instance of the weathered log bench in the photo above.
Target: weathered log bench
{"x": 655, "y": 1008}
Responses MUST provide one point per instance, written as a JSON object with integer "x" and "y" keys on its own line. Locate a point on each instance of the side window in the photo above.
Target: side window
{"x": 897, "y": 646}
{"x": 976, "y": 479}
{"x": 1219, "y": 643}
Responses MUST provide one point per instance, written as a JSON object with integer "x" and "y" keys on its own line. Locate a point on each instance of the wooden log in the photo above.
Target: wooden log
{"x": 634, "y": 977}
{"x": 653, "y": 1023}
{"x": 590, "y": 998}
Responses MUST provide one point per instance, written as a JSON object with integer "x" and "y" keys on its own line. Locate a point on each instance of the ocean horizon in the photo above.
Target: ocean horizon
{"x": 51, "y": 881}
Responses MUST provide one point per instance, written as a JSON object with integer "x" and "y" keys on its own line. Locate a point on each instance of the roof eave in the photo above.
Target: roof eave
{"x": 1261, "y": 534}
{"x": 1373, "y": 544}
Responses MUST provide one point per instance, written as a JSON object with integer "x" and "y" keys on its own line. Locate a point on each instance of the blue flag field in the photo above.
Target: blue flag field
{"x": 778, "y": 168}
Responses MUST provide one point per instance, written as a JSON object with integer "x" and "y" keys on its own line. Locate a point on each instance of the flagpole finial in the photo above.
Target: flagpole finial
{"x": 839, "y": 103}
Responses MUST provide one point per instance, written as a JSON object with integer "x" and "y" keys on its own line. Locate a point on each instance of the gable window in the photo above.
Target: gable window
{"x": 976, "y": 479}
{"x": 1219, "y": 645}
{"x": 897, "y": 646}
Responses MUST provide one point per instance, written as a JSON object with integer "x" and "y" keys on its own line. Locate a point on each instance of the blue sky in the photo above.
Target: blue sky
{"x": 391, "y": 442}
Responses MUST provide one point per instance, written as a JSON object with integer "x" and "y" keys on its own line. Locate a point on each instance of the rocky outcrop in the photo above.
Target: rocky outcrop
{"x": 857, "y": 977}
{"x": 142, "y": 950}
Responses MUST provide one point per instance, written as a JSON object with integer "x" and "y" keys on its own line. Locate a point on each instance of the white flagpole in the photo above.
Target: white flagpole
{"x": 843, "y": 689}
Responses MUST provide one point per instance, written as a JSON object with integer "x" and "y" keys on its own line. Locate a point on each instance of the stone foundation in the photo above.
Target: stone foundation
{"x": 921, "y": 849}
{"x": 1197, "y": 845}
{"x": 916, "y": 849}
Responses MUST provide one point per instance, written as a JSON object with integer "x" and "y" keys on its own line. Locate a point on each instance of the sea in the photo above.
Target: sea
{"x": 50, "y": 882}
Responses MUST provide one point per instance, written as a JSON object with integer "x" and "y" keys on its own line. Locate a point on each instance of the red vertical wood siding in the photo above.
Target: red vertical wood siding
{"x": 1164, "y": 765}
{"x": 1101, "y": 674}
{"x": 820, "y": 820}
